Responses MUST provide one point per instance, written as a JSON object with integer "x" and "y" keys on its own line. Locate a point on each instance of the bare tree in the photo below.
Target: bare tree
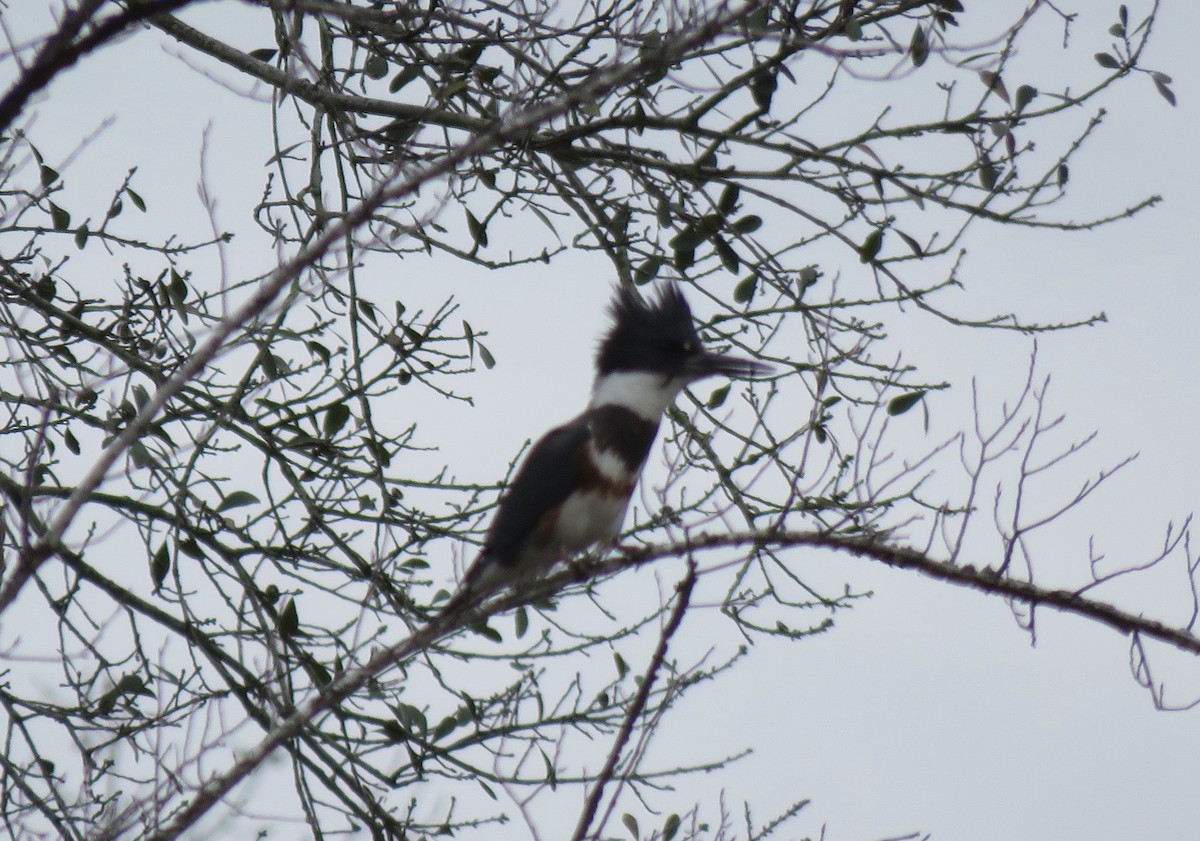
{"x": 219, "y": 500}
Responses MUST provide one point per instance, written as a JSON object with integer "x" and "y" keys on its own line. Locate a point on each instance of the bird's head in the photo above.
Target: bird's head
{"x": 653, "y": 349}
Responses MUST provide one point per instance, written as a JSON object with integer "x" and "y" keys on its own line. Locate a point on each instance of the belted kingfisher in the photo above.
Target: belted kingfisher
{"x": 574, "y": 486}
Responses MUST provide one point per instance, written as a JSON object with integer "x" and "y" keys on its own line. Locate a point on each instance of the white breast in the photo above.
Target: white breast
{"x": 590, "y": 518}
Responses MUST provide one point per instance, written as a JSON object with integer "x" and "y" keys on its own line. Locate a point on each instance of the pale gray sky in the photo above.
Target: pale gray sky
{"x": 925, "y": 708}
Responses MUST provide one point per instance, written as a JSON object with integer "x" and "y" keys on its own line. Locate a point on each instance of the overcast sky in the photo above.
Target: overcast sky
{"x": 925, "y": 708}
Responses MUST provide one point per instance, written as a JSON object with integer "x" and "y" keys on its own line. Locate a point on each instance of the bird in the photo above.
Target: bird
{"x": 574, "y": 486}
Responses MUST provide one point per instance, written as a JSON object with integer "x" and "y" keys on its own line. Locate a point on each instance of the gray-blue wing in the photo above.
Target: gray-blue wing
{"x": 544, "y": 481}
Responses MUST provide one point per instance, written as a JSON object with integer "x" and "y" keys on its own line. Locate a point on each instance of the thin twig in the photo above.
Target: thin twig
{"x": 684, "y": 589}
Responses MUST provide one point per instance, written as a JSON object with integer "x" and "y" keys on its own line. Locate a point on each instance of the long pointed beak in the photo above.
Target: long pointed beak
{"x": 708, "y": 364}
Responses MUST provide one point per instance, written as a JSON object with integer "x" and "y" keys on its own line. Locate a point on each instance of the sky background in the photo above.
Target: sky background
{"x": 926, "y": 708}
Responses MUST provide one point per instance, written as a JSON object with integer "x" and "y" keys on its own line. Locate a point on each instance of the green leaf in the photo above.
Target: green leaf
{"x": 319, "y": 350}
{"x": 685, "y": 258}
{"x": 140, "y": 395}
{"x": 744, "y": 291}
{"x": 622, "y": 666}
{"x": 405, "y": 76}
{"x": 59, "y": 217}
{"x": 485, "y": 356}
{"x": 670, "y": 827}
{"x": 918, "y": 47}
{"x": 729, "y": 257}
{"x": 488, "y": 633}
{"x": 902, "y": 403}
{"x": 237, "y": 499}
{"x": 464, "y": 59}
{"x": 729, "y": 199}
{"x": 1107, "y": 61}
{"x": 139, "y": 455}
{"x": 870, "y": 246}
{"x": 263, "y": 53}
{"x": 319, "y": 674}
{"x": 452, "y": 89}
{"x": 131, "y": 684}
{"x": 469, "y": 334}
{"x": 988, "y": 174}
{"x": 639, "y": 118}
{"x": 289, "y": 619}
{"x": 477, "y": 230}
{"x": 379, "y": 452}
{"x": 958, "y": 127}
{"x": 756, "y": 21}
{"x": 1164, "y": 89}
{"x": 651, "y": 46}
{"x": 747, "y": 224}
{"x": 488, "y": 74}
{"x": 522, "y": 620}
{"x": 376, "y": 67}
{"x": 395, "y": 731}
{"x": 853, "y": 30}
{"x": 706, "y": 226}
{"x": 335, "y": 418}
{"x": 994, "y": 83}
{"x": 160, "y": 566}
{"x": 648, "y": 270}
{"x": 412, "y": 718}
{"x": 911, "y": 243}
{"x": 136, "y": 199}
{"x": 1025, "y": 95}
{"x": 808, "y": 277}
{"x": 81, "y": 236}
{"x": 445, "y": 727}
{"x": 49, "y": 175}
{"x": 662, "y": 212}
{"x": 718, "y": 397}
{"x": 177, "y": 289}
{"x": 631, "y": 824}
{"x": 191, "y": 548}
{"x": 620, "y": 220}
{"x": 689, "y": 237}
{"x": 551, "y": 774}
{"x": 161, "y": 434}
{"x": 71, "y": 441}
{"x": 762, "y": 88}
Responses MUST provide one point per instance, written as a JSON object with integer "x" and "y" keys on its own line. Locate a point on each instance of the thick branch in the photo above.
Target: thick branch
{"x": 61, "y": 50}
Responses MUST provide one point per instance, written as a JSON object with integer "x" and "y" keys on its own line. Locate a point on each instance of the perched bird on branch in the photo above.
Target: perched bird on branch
{"x": 572, "y": 490}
